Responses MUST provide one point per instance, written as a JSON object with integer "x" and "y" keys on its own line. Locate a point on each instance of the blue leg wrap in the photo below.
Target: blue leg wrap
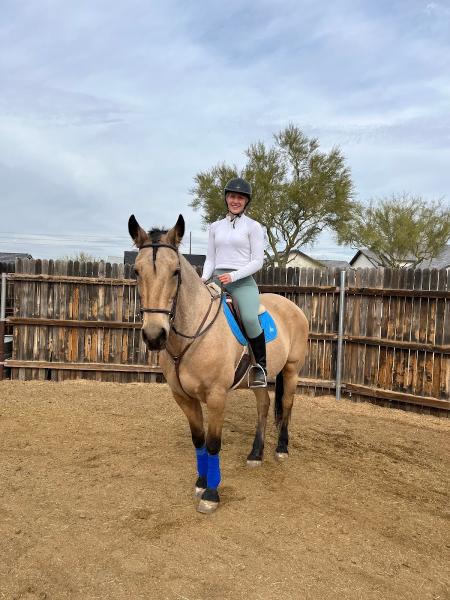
{"x": 213, "y": 477}
{"x": 202, "y": 461}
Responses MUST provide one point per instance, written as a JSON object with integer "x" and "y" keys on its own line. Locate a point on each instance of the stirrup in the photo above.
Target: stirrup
{"x": 257, "y": 384}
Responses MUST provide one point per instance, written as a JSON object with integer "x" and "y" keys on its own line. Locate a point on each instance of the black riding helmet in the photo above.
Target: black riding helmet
{"x": 240, "y": 186}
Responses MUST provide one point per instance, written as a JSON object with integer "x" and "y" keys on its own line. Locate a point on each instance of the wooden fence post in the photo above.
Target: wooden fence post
{"x": 340, "y": 339}
{"x": 2, "y": 323}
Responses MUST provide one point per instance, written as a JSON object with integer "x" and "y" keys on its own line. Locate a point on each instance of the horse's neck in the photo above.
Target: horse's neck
{"x": 194, "y": 301}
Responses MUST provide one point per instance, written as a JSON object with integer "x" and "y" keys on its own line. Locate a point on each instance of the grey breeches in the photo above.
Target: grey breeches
{"x": 246, "y": 295}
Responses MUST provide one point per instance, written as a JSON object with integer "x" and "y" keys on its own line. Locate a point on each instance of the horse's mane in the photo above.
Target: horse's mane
{"x": 156, "y": 234}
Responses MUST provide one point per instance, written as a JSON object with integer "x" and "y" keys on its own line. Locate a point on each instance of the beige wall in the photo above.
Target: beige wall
{"x": 298, "y": 260}
{"x": 362, "y": 262}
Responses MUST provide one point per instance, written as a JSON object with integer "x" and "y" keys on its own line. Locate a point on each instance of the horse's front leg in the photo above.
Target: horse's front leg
{"x": 254, "y": 459}
{"x": 210, "y": 497}
{"x": 193, "y": 410}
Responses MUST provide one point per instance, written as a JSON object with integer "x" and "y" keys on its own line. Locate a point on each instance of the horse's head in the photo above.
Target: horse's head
{"x": 157, "y": 268}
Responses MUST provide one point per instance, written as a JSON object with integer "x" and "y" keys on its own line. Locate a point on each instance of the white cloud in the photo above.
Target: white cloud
{"x": 111, "y": 108}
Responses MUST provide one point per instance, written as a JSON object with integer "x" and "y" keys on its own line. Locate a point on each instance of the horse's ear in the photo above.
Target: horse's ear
{"x": 138, "y": 235}
{"x": 175, "y": 235}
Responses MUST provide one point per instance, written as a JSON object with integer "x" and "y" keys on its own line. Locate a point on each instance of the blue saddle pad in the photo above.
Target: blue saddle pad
{"x": 265, "y": 319}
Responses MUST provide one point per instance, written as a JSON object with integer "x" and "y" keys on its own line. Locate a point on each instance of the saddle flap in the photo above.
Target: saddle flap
{"x": 266, "y": 321}
{"x": 241, "y": 369}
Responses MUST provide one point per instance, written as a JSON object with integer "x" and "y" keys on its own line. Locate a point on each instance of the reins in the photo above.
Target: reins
{"x": 172, "y": 313}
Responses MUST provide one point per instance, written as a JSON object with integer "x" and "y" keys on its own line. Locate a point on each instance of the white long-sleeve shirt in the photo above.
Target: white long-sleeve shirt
{"x": 237, "y": 244}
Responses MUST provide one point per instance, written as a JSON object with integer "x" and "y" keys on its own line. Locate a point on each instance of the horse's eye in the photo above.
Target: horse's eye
{"x": 136, "y": 271}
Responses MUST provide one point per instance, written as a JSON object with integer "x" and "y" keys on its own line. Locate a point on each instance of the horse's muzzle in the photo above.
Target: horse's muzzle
{"x": 157, "y": 342}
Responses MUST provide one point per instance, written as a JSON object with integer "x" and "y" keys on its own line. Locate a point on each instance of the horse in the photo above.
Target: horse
{"x": 183, "y": 318}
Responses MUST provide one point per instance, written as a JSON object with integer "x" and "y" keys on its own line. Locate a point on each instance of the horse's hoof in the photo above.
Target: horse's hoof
{"x": 253, "y": 463}
{"x": 281, "y": 456}
{"x": 207, "y": 507}
{"x": 209, "y": 501}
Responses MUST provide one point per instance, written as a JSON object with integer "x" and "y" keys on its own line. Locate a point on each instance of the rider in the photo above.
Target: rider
{"x": 235, "y": 253}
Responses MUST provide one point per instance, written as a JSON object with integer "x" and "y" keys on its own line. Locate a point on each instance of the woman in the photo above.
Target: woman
{"x": 235, "y": 253}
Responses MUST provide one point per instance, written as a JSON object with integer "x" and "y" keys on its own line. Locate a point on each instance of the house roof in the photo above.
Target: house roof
{"x": 371, "y": 256}
{"x": 129, "y": 256}
{"x": 441, "y": 261}
{"x": 328, "y": 263}
{"x": 196, "y": 260}
{"x": 335, "y": 264}
{"x": 11, "y": 256}
{"x": 306, "y": 256}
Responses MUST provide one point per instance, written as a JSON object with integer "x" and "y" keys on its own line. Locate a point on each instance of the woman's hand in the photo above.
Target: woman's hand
{"x": 225, "y": 278}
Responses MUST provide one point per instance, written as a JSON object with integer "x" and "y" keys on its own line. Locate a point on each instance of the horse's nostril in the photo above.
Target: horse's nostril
{"x": 156, "y": 342}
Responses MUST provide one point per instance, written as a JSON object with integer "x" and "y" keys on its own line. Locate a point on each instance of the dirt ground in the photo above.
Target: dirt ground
{"x": 96, "y": 500}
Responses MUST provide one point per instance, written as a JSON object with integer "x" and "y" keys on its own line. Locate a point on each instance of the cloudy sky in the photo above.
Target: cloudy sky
{"x": 111, "y": 108}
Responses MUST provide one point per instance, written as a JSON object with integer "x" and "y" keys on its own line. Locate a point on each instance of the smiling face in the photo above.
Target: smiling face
{"x": 236, "y": 202}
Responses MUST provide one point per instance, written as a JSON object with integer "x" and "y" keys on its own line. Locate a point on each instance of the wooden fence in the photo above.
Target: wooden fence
{"x": 75, "y": 320}
{"x": 396, "y": 331}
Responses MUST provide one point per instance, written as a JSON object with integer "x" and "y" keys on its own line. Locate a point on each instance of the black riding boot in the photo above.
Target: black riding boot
{"x": 258, "y": 372}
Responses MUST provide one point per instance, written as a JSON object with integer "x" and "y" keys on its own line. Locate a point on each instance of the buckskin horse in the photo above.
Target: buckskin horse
{"x": 183, "y": 318}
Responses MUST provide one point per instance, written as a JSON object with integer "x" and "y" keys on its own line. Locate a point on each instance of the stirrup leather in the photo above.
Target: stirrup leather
{"x": 256, "y": 384}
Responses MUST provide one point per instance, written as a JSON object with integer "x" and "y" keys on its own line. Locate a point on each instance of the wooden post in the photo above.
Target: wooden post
{"x": 340, "y": 336}
{"x": 2, "y": 324}
{"x": 2, "y": 348}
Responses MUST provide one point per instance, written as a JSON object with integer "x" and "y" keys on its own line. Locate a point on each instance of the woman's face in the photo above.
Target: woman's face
{"x": 236, "y": 202}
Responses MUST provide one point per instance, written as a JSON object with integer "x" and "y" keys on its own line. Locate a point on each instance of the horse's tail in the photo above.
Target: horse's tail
{"x": 279, "y": 391}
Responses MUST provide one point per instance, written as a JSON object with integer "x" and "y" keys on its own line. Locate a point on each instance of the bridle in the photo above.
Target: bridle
{"x": 173, "y": 311}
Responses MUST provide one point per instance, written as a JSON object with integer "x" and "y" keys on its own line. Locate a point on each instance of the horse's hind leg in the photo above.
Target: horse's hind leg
{"x": 193, "y": 411}
{"x": 285, "y": 388}
{"x": 254, "y": 459}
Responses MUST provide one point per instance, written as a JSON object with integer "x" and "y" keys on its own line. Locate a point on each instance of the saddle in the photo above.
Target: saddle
{"x": 234, "y": 320}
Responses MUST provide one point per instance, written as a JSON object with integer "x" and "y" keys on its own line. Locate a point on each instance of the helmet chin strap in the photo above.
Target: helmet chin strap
{"x": 233, "y": 217}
